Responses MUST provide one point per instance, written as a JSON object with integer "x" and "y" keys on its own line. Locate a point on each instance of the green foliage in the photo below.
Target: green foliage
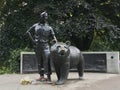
{"x": 4, "y": 70}
{"x": 81, "y": 21}
{"x": 13, "y": 63}
{"x": 14, "y": 60}
{"x": 100, "y": 42}
{"x": 107, "y": 24}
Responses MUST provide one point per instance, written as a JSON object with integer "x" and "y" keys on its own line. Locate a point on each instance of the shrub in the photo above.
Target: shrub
{"x": 14, "y": 60}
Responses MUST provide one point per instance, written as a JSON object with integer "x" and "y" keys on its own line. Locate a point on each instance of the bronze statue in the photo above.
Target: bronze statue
{"x": 65, "y": 57}
{"x": 41, "y": 38}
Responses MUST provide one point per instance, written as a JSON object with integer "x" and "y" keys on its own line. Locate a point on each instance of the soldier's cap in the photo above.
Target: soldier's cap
{"x": 44, "y": 14}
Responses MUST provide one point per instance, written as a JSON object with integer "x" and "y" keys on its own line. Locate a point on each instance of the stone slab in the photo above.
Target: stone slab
{"x": 94, "y": 61}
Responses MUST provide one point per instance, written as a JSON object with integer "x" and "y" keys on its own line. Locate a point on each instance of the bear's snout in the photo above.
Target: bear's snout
{"x": 62, "y": 52}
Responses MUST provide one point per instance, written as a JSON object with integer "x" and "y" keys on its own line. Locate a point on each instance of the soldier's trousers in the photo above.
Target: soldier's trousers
{"x": 43, "y": 57}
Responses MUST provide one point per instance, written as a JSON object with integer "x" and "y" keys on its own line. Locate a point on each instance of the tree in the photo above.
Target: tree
{"x": 81, "y": 21}
{"x": 107, "y": 26}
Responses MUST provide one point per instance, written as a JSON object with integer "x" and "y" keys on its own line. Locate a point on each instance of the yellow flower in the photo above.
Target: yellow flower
{"x": 25, "y": 81}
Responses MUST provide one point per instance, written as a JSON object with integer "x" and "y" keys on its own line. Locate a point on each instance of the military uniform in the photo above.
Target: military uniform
{"x": 43, "y": 32}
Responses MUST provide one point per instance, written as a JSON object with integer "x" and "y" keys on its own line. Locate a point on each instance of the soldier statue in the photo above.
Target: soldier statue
{"x": 40, "y": 38}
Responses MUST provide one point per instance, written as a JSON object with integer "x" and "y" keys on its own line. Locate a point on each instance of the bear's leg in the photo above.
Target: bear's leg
{"x": 57, "y": 70}
{"x": 80, "y": 66}
{"x": 64, "y": 70}
{"x": 49, "y": 70}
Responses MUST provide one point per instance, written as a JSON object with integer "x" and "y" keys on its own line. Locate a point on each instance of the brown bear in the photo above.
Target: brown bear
{"x": 65, "y": 57}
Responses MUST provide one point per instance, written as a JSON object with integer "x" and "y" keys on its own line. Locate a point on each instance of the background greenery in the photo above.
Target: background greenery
{"x": 91, "y": 25}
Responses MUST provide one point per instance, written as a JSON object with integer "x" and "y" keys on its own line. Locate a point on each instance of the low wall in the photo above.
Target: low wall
{"x": 94, "y": 61}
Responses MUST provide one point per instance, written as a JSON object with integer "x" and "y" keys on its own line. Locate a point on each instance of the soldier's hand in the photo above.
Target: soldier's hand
{"x": 53, "y": 41}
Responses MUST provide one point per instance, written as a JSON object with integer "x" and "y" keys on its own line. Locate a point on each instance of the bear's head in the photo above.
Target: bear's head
{"x": 60, "y": 49}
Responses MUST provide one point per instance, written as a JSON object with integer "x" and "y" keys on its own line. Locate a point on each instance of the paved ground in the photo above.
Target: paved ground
{"x": 92, "y": 81}
{"x": 106, "y": 84}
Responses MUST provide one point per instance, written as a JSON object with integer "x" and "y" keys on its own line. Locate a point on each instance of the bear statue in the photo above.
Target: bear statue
{"x": 65, "y": 57}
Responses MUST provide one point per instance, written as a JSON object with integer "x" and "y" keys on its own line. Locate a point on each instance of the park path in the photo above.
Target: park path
{"x": 91, "y": 81}
{"x": 106, "y": 84}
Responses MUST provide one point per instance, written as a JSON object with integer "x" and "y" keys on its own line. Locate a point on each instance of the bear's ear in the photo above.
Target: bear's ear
{"x": 53, "y": 42}
{"x": 68, "y": 43}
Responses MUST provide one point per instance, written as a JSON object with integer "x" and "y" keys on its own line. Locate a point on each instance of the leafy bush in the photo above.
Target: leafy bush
{"x": 14, "y": 60}
{"x": 74, "y": 20}
{"x": 13, "y": 64}
{"x": 4, "y": 70}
